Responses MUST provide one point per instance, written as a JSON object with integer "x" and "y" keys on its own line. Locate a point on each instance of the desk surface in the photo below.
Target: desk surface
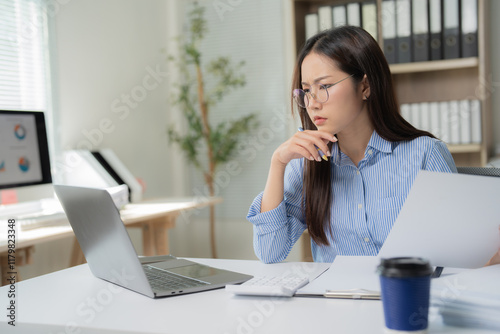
{"x": 74, "y": 301}
{"x": 131, "y": 214}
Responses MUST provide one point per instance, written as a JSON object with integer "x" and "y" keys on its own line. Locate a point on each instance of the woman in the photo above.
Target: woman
{"x": 343, "y": 88}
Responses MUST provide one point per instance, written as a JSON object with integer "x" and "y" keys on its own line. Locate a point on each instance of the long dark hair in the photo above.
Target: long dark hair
{"x": 355, "y": 52}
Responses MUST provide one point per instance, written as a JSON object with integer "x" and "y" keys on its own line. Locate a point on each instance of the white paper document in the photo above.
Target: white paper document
{"x": 353, "y": 275}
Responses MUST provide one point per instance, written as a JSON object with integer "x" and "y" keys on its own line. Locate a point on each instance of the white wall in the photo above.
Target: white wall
{"x": 107, "y": 97}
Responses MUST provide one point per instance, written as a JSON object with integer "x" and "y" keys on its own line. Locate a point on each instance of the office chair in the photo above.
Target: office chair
{"x": 485, "y": 171}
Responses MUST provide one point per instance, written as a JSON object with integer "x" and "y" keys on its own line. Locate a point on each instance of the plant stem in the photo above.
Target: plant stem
{"x": 209, "y": 176}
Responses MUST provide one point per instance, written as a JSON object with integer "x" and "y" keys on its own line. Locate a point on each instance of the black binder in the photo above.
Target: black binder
{"x": 389, "y": 31}
{"x": 403, "y": 31}
{"x": 451, "y": 30}
{"x": 436, "y": 29}
{"x": 469, "y": 22}
{"x": 420, "y": 30}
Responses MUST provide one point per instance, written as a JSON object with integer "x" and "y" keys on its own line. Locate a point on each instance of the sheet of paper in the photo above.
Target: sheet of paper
{"x": 346, "y": 273}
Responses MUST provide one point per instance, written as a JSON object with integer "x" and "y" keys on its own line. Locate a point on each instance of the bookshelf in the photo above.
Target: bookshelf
{"x": 433, "y": 81}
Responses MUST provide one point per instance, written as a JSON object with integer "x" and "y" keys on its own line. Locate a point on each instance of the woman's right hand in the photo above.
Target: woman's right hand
{"x": 301, "y": 145}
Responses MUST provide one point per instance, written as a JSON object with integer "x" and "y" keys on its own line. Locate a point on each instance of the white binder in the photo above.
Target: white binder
{"x": 312, "y": 25}
{"x": 369, "y": 18}
{"x": 339, "y": 15}
{"x": 454, "y": 118}
{"x": 475, "y": 110}
{"x": 465, "y": 122}
{"x": 354, "y": 14}
{"x": 444, "y": 121}
{"x": 325, "y": 18}
{"x": 435, "y": 124}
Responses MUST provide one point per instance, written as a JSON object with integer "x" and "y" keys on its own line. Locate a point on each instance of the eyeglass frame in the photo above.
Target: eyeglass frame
{"x": 312, "y": 95}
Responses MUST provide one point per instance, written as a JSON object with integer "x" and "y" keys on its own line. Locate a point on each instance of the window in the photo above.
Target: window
{"x": 24, "y": 61}
{"x": 23, "y": 79}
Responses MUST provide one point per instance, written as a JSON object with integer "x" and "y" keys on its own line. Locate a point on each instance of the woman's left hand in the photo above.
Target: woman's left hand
{"x": 495, "y": 259}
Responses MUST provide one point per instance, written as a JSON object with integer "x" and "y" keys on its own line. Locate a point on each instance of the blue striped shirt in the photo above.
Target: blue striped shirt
{"x": 366, "y": 199}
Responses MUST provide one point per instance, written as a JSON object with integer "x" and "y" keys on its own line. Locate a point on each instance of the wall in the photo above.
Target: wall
{"x": 111, "y": 92}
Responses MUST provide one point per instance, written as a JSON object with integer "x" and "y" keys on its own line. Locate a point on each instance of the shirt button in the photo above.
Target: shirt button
{"x": 360, "y": 206}
{"x": 357, "y": 172}
{"x": 370, "y": 152}
{"x": 367, "y": 239}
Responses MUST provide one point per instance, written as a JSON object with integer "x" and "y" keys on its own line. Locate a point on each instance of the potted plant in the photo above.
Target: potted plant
{"x": 206, "y": 145}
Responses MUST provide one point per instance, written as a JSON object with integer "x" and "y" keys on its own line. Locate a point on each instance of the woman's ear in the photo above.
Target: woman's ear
{"x": 365, "y": 88}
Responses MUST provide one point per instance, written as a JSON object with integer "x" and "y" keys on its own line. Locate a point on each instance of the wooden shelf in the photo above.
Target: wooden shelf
{"x": 469, "y": 148}
{"x": 435, "y": 65}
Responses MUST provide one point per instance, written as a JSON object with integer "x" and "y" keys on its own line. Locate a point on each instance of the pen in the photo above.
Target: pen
{"x": 323, "y": 155}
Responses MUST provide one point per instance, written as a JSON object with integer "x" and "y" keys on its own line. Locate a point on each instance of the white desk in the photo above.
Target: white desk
{"x": 74, "y": 301}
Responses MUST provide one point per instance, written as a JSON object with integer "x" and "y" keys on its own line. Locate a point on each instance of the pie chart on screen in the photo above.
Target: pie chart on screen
{"x": 24, "y": 164}
{"x": 2, "y": 166}
{"x": 19, "y": 131}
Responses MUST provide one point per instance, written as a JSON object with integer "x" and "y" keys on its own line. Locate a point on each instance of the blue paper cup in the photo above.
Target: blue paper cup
{"x": 405, "y": 288}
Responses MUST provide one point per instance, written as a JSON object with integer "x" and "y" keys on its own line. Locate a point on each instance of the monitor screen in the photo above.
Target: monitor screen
{"x": 24, "y": 152}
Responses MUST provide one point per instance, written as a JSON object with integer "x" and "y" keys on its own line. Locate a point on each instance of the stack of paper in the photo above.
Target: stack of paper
{"x": 470, "y": 298}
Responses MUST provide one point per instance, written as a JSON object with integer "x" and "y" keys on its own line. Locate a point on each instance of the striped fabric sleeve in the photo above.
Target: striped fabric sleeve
{"x": 440, "y": 158}
{"x": 277, "y": 230}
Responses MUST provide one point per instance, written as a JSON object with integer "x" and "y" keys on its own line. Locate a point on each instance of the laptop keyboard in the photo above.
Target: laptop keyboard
{"x": 165, "y": 280}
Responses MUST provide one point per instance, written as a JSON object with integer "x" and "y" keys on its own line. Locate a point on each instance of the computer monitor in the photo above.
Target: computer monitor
{"x": 24, "y": 154}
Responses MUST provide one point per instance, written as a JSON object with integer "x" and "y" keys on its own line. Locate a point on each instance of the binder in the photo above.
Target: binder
{"x": 312, "y": 25}
{"x": 339, "y": 13}
{"x": 475, "y": 118}
{"x": 325, "y": 18}
{"x": 444, "y": 121}
{"x": 403, "y": 31}
{"x": 454, "y": 118}
{"x": 369, "y": 18}
{"x": 420, "y": 30}
{"x": 436, "y": 32}
{"x": 465, "y": 122}
{"x": 451, "y": 30}
{"x": 389, "y": 30}
{"x": 469, "y": 28}
{"x": 415, "y": 115}
{"x": 425, "y": 117}
{"x": 406, "y": 112}
{"x": 435, "y": 125}
{"x": 354, "y": 14}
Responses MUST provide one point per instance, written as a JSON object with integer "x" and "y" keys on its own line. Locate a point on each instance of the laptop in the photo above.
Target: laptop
{"x": 450, "y": 219}
{"x": 111, "y": 256}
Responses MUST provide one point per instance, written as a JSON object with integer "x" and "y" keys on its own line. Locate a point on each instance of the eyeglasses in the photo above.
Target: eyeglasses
{"x": 317, "y": 91}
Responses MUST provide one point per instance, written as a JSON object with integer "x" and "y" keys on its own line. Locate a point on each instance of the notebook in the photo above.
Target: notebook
{"x": 111, "y": 256}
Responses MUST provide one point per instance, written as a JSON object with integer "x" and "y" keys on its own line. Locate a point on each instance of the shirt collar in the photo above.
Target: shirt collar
{"x": 375, "y": 143}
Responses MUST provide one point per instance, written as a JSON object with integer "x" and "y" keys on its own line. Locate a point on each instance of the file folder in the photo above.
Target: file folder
{"x": 403, "y": 31}
{"x": 465, "y": 122}
{"x": 454, "y": 118}
{"x": 389, "y": 30}
{"x": 435, "y": 117}
{"x": 444, "y": 121}
{"x": 354, "y": 14}
{"x": 312, "y": 25}
{"x": 369, "y": 18}
{"x": 420, "y": 30}
{"x": 425, "y": 117}
{"x": 406, "y": 112}
{"x": 475, "y": 118}
{"x": 415, "y": 115}
{"x": 469, "y": 28}
{"x": 339, "y": 15}
{"x": 451, "y": 31}
{"x": 436, "y": 32}
{"x": 325, "y": 18}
